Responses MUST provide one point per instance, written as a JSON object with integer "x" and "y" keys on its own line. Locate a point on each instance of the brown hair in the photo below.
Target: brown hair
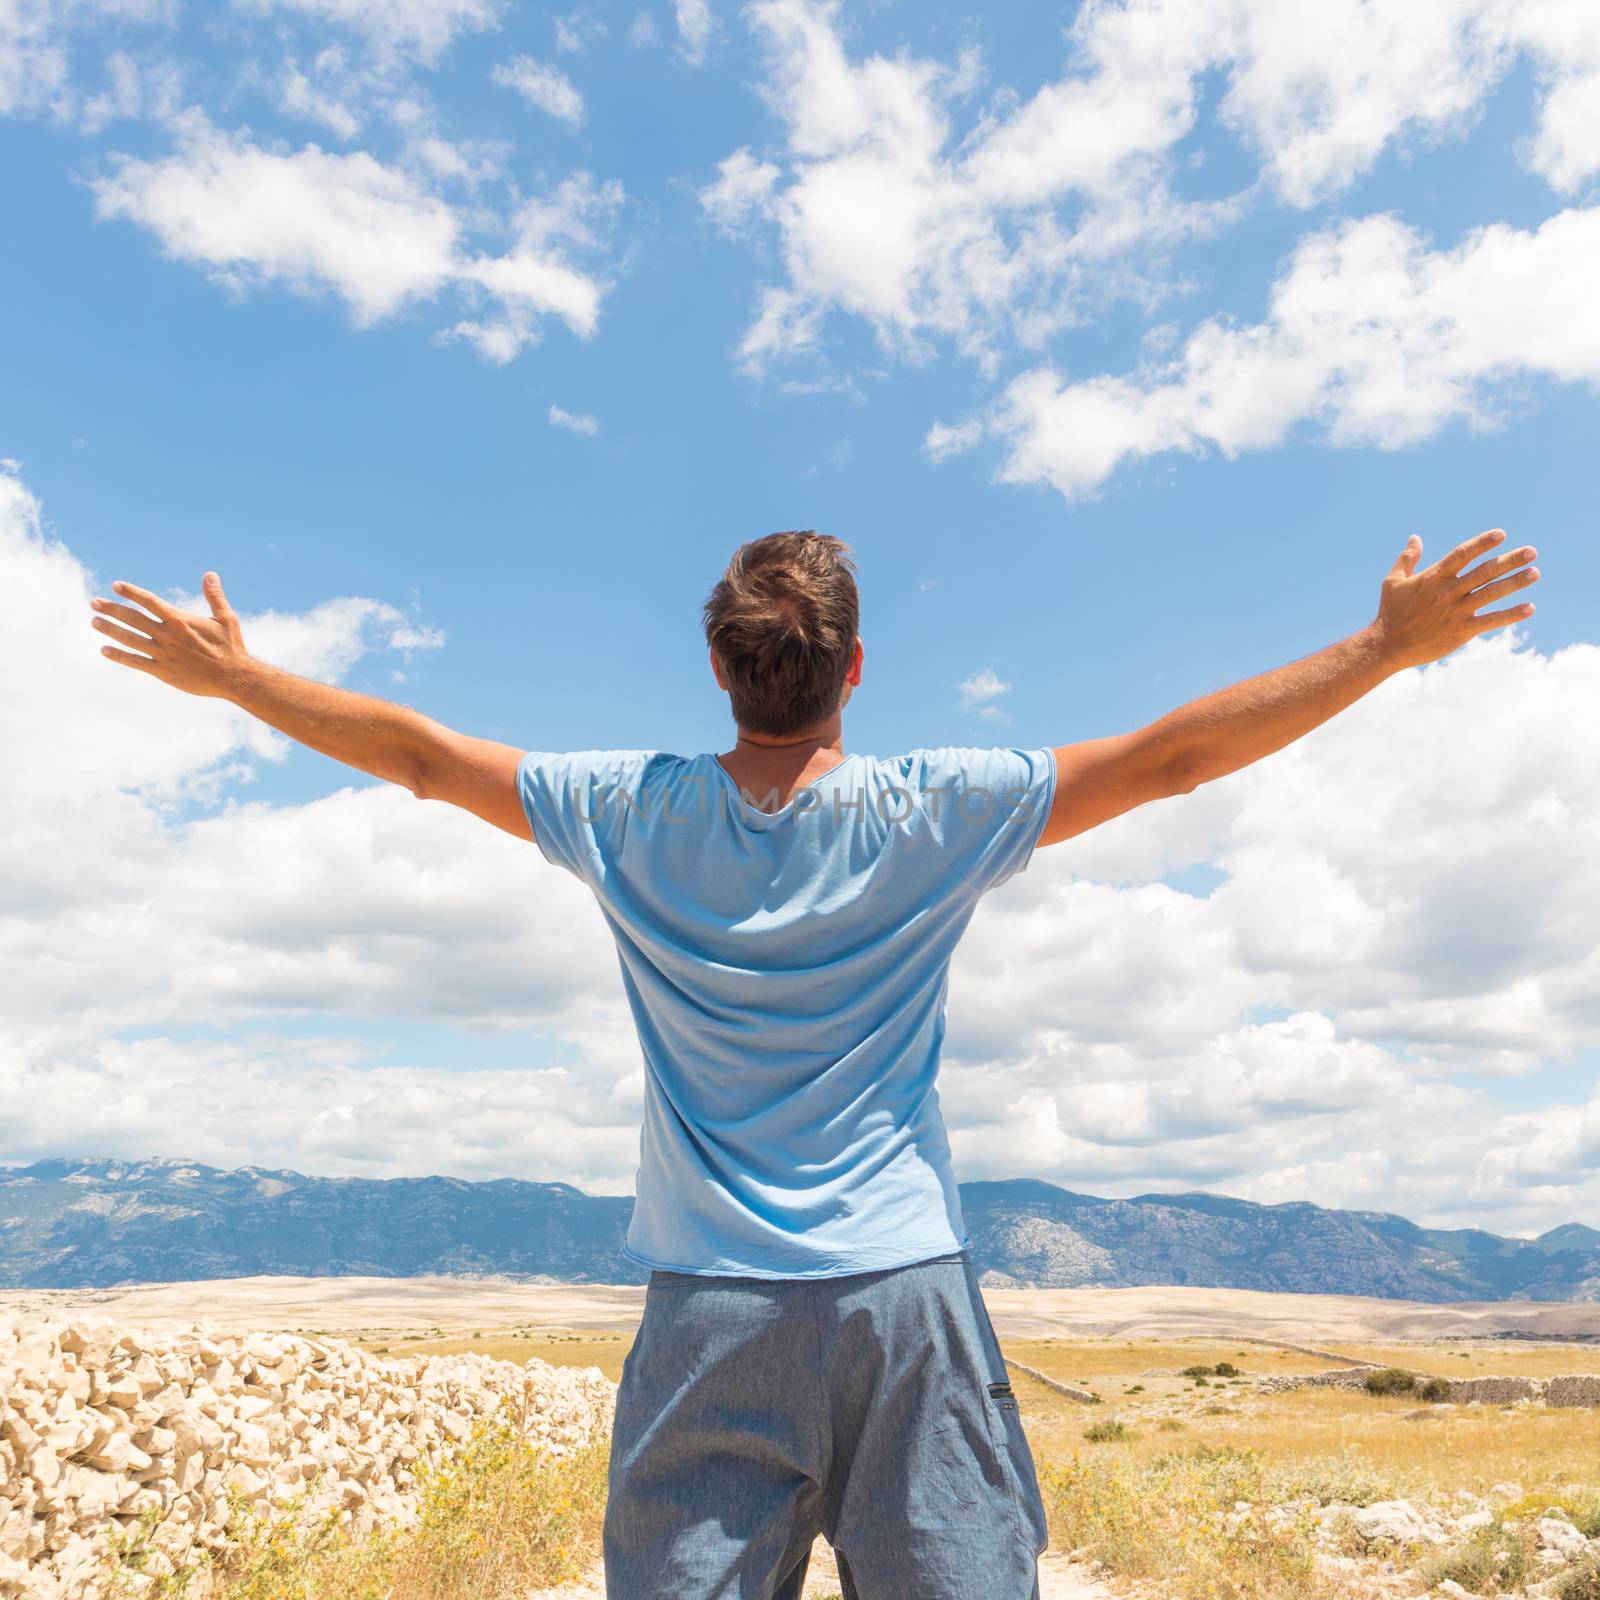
{"x": 782, "y": 623}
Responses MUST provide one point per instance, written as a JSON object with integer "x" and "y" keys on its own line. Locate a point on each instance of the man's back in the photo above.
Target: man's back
{"x": 787, "y": 973}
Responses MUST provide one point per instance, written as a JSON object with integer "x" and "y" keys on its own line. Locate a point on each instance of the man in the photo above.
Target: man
{"x": 814, "y": 1354}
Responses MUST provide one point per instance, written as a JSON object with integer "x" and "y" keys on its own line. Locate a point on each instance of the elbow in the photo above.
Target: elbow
{"x": 415, "y": 778}
{"x": 1183, "y": 776}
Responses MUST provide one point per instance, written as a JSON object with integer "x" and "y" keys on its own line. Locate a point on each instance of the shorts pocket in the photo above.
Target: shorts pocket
{"x": 954, "y": 1479}
{"x": 1017, "y": 1455}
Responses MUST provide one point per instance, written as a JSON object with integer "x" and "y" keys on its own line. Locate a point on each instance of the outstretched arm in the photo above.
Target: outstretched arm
{"x": 1422, "y": 616}
{"x": 206, "y": 656}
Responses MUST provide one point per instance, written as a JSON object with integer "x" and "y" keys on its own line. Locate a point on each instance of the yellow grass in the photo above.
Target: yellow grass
{"x": 583, "y": 1349}
{"x": 497, "y": 1519}
{"x": 1156, "y": 1503}
{"x": 1471, "y": 1359}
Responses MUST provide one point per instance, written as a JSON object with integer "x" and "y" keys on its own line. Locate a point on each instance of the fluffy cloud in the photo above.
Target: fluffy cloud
{"x": 979, "y": 691}
{"x": 1011, "y": 224}
{"x": 374, "y": 235}
{"x": 315, "y": 1105}
{"x": 1407, "y": 887}
{"x": 144, "y": 892}
{"x": 1371, "y": 337}
{"x": 312, "y": 99}
{"x": 36, "y": 38}
{"x": 1403, "y": 911}
{"x": 543, "y": 86}
{"x": 422, "y": 29}
{"x": 694, "y": 30}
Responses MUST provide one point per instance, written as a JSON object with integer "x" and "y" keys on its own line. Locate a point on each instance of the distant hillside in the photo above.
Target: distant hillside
{"x": 1031, "y": 1234}
{"x": 89, "y": 1223}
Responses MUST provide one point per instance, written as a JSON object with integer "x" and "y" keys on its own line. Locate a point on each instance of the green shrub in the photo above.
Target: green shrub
{"x": 1435, "y": 1389}
{"x": 1580, "y": 1582}
{"x": 1104, "y": 1432}
{"x": 1390, "y": 1380}
{"x": 1498, "y": 1557}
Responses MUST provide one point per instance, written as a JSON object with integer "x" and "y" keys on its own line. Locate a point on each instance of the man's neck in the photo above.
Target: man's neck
{"x": 764, "y": 766}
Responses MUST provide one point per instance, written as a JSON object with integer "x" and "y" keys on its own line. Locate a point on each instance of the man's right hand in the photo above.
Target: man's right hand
{"x": 1425, "y": 615}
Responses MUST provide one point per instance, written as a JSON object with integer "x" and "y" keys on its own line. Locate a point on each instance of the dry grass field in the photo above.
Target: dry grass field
{"x": 1171, "y": 1485}
{"x": 1190, "y": 1449}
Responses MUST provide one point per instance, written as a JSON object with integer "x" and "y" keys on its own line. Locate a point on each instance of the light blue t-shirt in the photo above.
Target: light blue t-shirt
{"x": 787, "y": 975}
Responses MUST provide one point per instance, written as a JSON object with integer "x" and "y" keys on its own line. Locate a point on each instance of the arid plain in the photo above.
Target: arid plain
{"x": 1191, "y": 1442}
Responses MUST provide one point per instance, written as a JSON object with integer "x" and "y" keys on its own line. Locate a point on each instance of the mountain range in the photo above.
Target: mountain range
{"x": 85, "y": 1223}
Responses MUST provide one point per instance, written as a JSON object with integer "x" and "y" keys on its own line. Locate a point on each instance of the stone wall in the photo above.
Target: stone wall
{"x": 1577, "y": 1389}
{"x": 102, "y": 1426}
{"x": 1085, "y": 1396}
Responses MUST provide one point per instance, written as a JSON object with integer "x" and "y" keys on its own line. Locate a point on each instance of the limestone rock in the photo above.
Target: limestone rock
{"x": 102, "y": 1426}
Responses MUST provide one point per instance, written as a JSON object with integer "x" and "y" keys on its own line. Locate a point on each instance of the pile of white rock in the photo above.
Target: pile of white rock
{"x": 107, "y": 1431}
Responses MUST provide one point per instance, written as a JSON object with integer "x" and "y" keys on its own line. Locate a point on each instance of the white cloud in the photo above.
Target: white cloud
{"x": 534, "y": 277}
{"x": 243, "y": 931}
{"x": 695, "y": 24}
{"x": 318, "y": 1105}
{"x": 1407, "y": 884}
{"x": 983, "y": 686}
{"x": 642, "y": 31}
{"x": 1564, "y": 38}
{"x": 575, "y": 30}
{"x": 374, "y": 235}
{"x": 421, "y": 29}
{"x": 742, "y": 189}
{"x": 36, "y": 38}
{"x": 546, "y": 87}
{"x": 134, "y": 88}
{"x": 336, "y": 106}
{"x": 1014, "y": 223}
{"x": 1371, "y": 337}
{"x": 574, "y": 421}
{"x": 309, "y": 220}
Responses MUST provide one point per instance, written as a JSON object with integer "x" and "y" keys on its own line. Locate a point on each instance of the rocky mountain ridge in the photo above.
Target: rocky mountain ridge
{"x": 80, "y": 1223}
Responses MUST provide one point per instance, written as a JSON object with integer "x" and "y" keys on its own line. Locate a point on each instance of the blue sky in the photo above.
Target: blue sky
{"x": 1126, "y": 357}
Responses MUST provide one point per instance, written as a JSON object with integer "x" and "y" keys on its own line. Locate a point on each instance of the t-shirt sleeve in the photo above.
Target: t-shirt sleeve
{"x": 569, "y": 798}
{"x": 990, "y": 809}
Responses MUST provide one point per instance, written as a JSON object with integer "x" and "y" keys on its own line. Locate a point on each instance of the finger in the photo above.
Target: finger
{"x": 109, "y": 608}
{"x": 124, "y": 635}
{"x": 1498, "y": 565}
{"x": 1496, "y": 591}
{"x": 1471, "y": 550}
{"x": 1498, "y": 619}
{"x": 218, "y": 601}
{"x": 127, "y": 658}
{"x": 1406, "y": 562}
{"x": 150, "y": 602}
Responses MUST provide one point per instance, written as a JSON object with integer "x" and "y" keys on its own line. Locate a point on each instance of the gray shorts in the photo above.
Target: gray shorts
{"x": 874, "y": 1409}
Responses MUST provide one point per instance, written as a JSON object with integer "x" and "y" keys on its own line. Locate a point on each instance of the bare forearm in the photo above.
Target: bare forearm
{"x": 360, "y": 730}
{"x": 1221, "y": 732}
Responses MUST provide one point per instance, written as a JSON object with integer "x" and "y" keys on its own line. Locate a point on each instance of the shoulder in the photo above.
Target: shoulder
{"x": 588, "y": 766}
{"x": 979, "y": 766}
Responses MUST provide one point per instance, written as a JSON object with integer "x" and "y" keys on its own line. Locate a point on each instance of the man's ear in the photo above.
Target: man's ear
{"x": 716, "y": 671}
{"x": 857, "y": 656}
